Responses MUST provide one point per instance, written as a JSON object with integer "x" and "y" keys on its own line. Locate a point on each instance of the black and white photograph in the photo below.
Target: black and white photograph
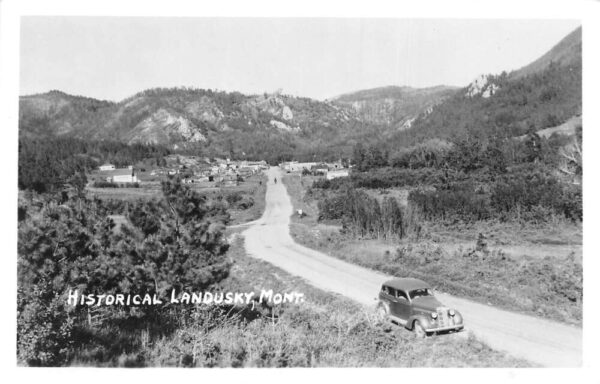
{"x": 214, "y": 191}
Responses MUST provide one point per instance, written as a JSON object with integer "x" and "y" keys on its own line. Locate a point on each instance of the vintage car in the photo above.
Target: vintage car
{"x": 410, "y": 302}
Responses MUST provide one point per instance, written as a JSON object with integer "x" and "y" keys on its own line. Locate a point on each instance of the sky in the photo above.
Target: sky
{"x": 115, "y": 57}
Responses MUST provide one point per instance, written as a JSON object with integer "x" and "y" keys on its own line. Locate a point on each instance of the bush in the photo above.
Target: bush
{"x": 176, "y": 243}
{"x": 529, "y": 187}
{"x": 105, "y": 184}
{"x": 458, "y": 202}
{"x": 44, "y": 327}
{"x": 365, "y": 216}
{"x": 233, "y": 198}
{"x": 245, "y": 203}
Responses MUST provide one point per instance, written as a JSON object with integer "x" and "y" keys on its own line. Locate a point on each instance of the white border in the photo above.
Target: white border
{"x": 587, "y": 11}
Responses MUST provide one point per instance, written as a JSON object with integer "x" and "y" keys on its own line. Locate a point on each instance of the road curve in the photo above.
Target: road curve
{"x": 540, "y": 341}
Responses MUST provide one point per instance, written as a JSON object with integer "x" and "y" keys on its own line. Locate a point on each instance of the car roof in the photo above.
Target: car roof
{"x": 406, "y": 284}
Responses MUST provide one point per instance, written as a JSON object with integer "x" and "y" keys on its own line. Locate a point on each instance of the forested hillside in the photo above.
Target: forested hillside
{"x": 271, "y": 126}
{"x": 397, "y": 107}
{"x": 543, "y": 95}
{"x": 274, "y": 127}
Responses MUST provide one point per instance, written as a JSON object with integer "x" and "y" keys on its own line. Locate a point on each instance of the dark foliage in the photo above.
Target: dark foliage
{"x": 365, "y": 216}
{"x": 104, "y": 184}
{"x": 519, "y": 107}
{"x": 50, "y": 164}
{"x": 175, "y": 243}
{"x": 461, "y": 201}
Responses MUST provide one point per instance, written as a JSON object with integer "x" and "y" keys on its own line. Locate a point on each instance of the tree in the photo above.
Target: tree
{"x": 358, "y": 156}
{"x": 571, "y": 159}
{"x": 175, "y": 243}
{"x": 533, "y": 148}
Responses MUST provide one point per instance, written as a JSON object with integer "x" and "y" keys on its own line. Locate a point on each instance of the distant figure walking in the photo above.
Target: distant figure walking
{"x": 275, "y": 180}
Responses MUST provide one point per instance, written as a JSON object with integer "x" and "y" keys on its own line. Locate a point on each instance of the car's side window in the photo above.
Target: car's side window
{"x": 401, "y": 294}
{"x": 391, "y": 292}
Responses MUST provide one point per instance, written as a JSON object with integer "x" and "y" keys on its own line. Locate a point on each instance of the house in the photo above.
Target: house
{"x": 107, "y": 167}
{"x": 295, "y": 166}
{"x": 320, "y": 171}
{"x": 259, "y": 164}
{"x": 123, "y": 175}
{"x": 336, "y": 165}
{"x": 336, "y": 174}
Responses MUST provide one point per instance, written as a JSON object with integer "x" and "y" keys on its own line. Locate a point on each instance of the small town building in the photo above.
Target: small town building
{"x": 123, "y": 175}
{"x": 320, "y": 171}
{"x": 335, "y": 174}
{"x": 107, "y": 167}
{"x": 294, "y": 166}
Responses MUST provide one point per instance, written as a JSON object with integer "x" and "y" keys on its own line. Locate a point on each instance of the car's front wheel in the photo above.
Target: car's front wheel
{"x": 419, "y": 330}
{"x": 382, "y": 311}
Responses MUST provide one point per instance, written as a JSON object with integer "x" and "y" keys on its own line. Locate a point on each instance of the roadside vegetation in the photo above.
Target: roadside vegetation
{"x": 324, "y": 331}
{"x": 146, "y": 240}
{"x": 495, "y": 221}
{"x": 175, "y": 243}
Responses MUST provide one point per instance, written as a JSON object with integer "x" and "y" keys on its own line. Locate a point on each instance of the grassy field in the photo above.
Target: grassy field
{"x": 256, "y": 188}
{"x": 530, "y": 269}
{"x": 252, "y": 188}
{"x": 324, "y": 331}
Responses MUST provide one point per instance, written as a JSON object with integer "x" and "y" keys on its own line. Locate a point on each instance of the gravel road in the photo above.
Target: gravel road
{"x": 542, "y": 342}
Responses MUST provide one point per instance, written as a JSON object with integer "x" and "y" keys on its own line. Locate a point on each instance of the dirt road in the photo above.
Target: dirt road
{"x": 542, "y": 342}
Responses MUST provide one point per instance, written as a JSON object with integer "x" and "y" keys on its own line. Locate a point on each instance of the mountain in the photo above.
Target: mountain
{"x": 544, "y": 94}
{"x": 229, "y": 124}
{"x": 218, "y": 122}
{"x": 566, "y": 53}
{"x": 279, "y": 127}
{"x": 393, "y": 105}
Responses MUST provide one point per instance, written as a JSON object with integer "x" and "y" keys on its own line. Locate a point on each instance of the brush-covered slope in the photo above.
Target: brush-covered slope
{"x": 394, "y": 106}
{"x": 566, "y": 53}
{"x": 219, "y": 121}
{"x": 544, "y": 94}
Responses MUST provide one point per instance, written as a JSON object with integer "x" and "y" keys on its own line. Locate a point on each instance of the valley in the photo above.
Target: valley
{"x": 476, "y": 189}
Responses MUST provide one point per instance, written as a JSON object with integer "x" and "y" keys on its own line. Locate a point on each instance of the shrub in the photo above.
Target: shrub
{"x": 73, "y": 245}
{"x": 145, "y": 216}
{"x": 528, "y": 187}
{"x": 458, "y": 202}
{"x": 365, "y": 216}
{"x": 44, "y": 327}
{"x": 105, "y": 184}
{"x": 233, "y": 198}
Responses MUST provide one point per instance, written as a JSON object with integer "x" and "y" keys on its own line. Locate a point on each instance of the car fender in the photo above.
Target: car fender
{"x": 385, "y": 305}
{"x": 421, "y": 318}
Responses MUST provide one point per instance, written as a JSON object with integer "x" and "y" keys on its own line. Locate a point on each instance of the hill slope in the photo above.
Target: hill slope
{"x": 218, "y": 122}
{"x": 566, "y": 52}
{"x": 544, "y": 94}
{"x": 395, "y": 106}
{"x": 279, "y": 127}
{"x": 274, "y": 126}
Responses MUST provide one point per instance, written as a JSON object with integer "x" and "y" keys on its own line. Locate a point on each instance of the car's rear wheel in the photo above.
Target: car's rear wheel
{"x": 419, "y": 330}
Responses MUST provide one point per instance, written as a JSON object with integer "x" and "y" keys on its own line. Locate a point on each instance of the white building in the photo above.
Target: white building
{"x": 123, "y": 176}
{"x": 295, "y": 166}
{"x": 336, "y": 174}
{"x": 107, "y": 167}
